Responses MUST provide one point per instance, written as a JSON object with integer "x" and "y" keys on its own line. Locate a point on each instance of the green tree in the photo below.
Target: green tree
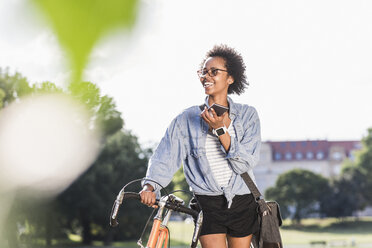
{"x": 90, "y": 198}
{"x": 299, "y": 191}
{"x": 363, "y": 167}
{"x": 346, "y": 195}
{"x": 2, "y": 97}
{"x": 12, "y": 87}
{"x": 40, "y": 220}
{"x": 46, "y": 88}
{"x": 180, "y": 186}
{"x": 107, "y": 120}
{"x": 102, "y": 109}
{"x": 104, "y": 118}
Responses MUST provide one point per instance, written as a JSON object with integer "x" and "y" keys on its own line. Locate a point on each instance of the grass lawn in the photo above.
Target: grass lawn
{"x": 332, "y": 231}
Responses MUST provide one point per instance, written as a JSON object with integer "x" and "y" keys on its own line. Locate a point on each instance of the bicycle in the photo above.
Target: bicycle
{"x": 159, "y": 234}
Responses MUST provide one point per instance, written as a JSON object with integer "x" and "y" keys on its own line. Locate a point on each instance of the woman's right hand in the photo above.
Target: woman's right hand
{"x": 148, "y": 195}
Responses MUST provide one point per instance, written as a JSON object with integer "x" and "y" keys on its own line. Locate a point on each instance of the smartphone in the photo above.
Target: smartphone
{"x": 219, "y": 109}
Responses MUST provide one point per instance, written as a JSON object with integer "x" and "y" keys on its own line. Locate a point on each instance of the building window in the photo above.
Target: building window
{"x": 282, "y": 144}
{"x": 304, "y": 143}
{"x": 337, "y": 156}
{"x": 278, "y": 156}
{"x": 309, "y": 155}
{"x": 299, "y": 155}
{"x": 315, "y": 143}
{"x": 358, "y": 146}
{"x": 288, "y": 156}
{"x": 293, "y": 144}
{"x": 319, "y": 155}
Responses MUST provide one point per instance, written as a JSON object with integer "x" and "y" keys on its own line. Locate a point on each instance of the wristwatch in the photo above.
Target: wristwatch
{"x": 219, "y": 131}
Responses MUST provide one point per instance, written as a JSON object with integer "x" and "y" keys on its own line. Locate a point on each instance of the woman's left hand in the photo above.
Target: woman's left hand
{"x": 213, "y": 120}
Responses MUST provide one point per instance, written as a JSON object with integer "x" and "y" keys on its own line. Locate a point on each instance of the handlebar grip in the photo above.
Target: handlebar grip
{"x": 182, "y": 209}
{"x": 115, "y": 208}
{"x": 114, "y": 214}
{"x": 134, "y": 195}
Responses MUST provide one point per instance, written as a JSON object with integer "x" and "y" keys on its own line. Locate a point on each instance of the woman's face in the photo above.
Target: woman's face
{"x": 215, "y": 78}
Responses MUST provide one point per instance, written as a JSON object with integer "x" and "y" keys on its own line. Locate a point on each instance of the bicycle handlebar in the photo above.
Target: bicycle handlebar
{"x": 173, "y": 205}
{"x": 126, "y": 195}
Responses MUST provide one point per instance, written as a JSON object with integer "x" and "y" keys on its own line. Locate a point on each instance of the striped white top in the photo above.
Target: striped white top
{"x": 216, "y": 157}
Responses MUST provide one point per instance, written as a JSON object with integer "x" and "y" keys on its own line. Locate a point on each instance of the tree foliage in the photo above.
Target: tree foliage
{"x": 180, "y": 186}
{"x": 351, "y": 191}
{"x": 12, "y": 87}
{"x": 102, "y": 109}
{"x": 84, "y": 206}
{"x": 299, "y": 193}
{"x": 364, "y": 168}
{"x": 90, "y": 198}
{"x": 345, "y": 196}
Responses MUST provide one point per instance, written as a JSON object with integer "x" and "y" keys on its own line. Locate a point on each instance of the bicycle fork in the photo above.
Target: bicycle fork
{"x": 159, "y": 232}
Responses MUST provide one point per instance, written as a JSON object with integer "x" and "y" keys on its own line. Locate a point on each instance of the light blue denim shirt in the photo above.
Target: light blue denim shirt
{"x": 184, "y": 143}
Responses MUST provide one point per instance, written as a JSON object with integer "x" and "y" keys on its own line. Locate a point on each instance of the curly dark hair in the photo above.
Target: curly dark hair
{"x": 234, "y": 64}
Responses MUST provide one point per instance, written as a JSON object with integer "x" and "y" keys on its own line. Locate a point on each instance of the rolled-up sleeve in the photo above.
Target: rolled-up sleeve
{"x": 244, "y": 153}
{"x": 167, "y": 158}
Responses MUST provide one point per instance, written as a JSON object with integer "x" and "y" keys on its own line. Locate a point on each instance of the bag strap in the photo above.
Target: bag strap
{"x": 256, "y": 193}
{"x": 251, "y": 185}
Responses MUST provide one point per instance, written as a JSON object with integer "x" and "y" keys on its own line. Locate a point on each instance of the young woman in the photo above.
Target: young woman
{"x": 214, "y": 151}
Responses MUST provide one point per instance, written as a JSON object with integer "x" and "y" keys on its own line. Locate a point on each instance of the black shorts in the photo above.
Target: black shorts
{"x": 239, "y": 220}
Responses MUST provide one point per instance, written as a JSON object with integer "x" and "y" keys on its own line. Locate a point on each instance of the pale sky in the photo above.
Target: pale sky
{"x": 309, "y": 63}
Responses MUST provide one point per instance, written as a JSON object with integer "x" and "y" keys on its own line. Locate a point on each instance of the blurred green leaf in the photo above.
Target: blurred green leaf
{"x": 79, "y": 24}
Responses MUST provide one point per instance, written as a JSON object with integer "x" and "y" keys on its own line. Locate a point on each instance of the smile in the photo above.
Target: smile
{"x": 207, "y": 84}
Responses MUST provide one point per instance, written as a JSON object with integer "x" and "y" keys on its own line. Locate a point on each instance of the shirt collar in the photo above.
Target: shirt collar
{"x": 206, "y": 102}
{"x": 232, "y": 107}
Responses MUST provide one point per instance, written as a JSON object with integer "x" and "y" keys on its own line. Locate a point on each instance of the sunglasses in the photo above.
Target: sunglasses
{"x": 211, "y": 72}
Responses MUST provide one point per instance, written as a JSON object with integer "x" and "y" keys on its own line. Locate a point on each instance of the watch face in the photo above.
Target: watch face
{"x": 220, "y": 131}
